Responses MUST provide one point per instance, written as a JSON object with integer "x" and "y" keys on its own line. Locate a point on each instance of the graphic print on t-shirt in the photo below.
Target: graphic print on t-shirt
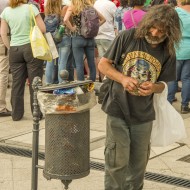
{"x": 141, "y": 66}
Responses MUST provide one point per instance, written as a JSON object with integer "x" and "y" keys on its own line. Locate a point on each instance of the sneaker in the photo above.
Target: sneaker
{"x": 6, "y": 113}
{"x": 185, "y": 109}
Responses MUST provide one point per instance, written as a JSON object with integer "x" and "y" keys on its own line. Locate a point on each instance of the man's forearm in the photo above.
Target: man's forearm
{"x": 159, "y": 87}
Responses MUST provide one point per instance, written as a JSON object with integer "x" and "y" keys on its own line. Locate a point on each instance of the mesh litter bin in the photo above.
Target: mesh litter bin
{"x": 67, "y": 145}
{"x": 67, "y": 131}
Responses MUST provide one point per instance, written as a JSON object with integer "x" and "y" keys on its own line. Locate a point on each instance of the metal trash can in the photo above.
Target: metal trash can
{"x": 67, "y": 131}
{"x": 67, "y": 146}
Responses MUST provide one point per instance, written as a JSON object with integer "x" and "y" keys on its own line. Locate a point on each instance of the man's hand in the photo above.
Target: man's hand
{"x": 146, "y": 88}
{"x": 129, "y": 84}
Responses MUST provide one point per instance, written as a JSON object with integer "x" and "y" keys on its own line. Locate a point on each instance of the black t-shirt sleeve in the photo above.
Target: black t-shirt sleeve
{"x": 168, "y": 71}
{"x": 118, "y": 47}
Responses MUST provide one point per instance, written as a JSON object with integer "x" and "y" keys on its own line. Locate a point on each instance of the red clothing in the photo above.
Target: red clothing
{"x": 41, "y": 2}
{"x": 117, "y": 3}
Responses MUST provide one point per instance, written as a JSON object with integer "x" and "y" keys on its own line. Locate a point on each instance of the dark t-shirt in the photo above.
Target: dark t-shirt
{"x": 136, "y": 58}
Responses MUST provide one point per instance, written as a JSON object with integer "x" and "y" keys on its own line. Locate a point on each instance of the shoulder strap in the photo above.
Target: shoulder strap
{"x": 32, "y": 18}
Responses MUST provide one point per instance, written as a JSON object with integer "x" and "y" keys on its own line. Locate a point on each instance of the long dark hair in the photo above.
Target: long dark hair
{"x": 166, "y": 17}
{"x": 133, "y": 3}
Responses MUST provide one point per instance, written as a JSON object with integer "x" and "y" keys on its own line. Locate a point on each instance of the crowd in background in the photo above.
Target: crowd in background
{"x": 79, "y": 55}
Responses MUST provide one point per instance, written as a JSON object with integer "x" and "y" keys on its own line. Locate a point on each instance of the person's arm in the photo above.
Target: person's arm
{"x": 128, "y": 83}
{"x": 63, "y": 11}
{"x": 101, "y": 18}
{"x": 148, "y": 88}
{"x": 4, "y": 32}
{"x": 40, "y": 23}
{"x": 67, "y": 19}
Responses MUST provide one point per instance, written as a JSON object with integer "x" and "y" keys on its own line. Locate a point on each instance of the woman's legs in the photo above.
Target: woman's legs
{"x": 173, "y": 85}
{"x": 49, "y": 73}
{"x": 89, "y": 51}
{"x": 65, "y": 61}
{"x": 19, "y": 75}
{"x": 185, "y": 79}
{"x": 78, "y": 44}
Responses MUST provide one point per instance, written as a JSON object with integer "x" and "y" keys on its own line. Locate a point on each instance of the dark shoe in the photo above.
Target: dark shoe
{"x": 174, "y": 100}
{"x": 185, "y": 109}
{"x": 5, "y": 114}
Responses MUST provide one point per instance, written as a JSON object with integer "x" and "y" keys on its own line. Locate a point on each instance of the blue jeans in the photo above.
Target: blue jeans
{"x": 51, "y": 72}
{"x": 66, "y": 59}
{"x": 81, "y": 46}
{"x": 126, "y": 154}
{"x": 183, "y": 74}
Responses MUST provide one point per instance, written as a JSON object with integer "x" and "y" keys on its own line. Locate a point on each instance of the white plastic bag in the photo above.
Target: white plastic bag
{"x": 52, "y": 45}
{"x": 169, "y": 125}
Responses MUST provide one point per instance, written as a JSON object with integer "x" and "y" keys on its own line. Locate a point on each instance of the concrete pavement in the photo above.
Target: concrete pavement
{"x": 15, "y": 170}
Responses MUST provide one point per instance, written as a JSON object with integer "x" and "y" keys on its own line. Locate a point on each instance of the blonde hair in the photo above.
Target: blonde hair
{"x": 90, "y": 2}
{"x": 53, "y": 7}
{"x": 80, "y": 5}
{"x": 15, "y": 3}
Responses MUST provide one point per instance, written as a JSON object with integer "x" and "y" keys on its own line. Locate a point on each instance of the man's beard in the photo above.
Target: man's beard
{"x": 154, "y": 40}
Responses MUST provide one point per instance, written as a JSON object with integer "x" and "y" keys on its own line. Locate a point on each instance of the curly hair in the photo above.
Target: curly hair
{"x": 165, "y": 17}
{"x": 53, "y": 7}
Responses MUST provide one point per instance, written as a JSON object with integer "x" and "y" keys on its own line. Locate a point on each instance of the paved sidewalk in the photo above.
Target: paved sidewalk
{"x": 15, "y": 171}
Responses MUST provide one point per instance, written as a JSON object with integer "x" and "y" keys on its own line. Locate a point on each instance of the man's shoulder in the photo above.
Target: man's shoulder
{"x": 127, "y": 34}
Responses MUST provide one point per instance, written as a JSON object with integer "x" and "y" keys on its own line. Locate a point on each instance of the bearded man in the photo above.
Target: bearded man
{"x": 142, "y": 58}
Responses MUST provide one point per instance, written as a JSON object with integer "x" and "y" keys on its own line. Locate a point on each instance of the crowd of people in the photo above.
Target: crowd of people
{"x": 137, "y": 45}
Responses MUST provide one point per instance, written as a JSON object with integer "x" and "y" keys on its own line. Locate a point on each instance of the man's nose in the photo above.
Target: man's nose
{"x": 155, "y": 32}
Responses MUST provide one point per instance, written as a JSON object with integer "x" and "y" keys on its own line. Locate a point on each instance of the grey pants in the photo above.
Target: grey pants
{"x": 126, "y": 154}
{"x": 23, "y": 65}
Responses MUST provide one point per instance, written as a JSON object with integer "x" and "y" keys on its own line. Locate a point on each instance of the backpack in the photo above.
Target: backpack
{"x": 51, "y": 22}
{"x": 89, "y": 22}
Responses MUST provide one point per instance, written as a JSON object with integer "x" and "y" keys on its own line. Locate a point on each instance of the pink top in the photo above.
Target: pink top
{"x": 137, "y": 17}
